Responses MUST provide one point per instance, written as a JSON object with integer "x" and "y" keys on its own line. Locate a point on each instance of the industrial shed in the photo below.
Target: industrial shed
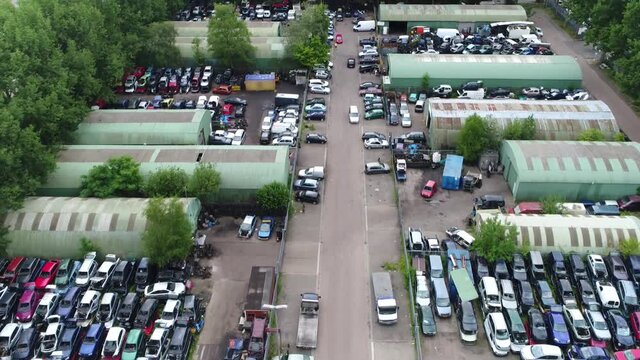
{"x": 243, "y": 169}
{"x": 555, "y": 120}
{"x": 573, "y": 170}
{"x": 579, "y": 233}
{"x": 401, "y": 17}
{"x": 507, "y": 71}
{"x": 51, "y": 227}
{"x": 142, "y": 127}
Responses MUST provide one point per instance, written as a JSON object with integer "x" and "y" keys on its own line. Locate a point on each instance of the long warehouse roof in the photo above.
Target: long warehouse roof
{"x": 460, "y": 13}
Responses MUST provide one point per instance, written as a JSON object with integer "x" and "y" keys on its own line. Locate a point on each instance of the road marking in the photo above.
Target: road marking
{"x": 372, "y": 351}
{"x": 324, "y": 189}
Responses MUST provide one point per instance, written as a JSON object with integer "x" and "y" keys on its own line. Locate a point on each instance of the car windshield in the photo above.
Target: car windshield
{"x": 110, "y": 347}
{"x": 559, "y": 326}
{"x": 45, "y": 274}
{"x": 167, "y": 315}
{"x": 600, "y": 325}
{"x": 600, "y": 267}
{"x": 174, "y": 347}
{"x": 24, "y": 271}
{"x": 502, "y": 334}
{"x": 129, "y": 347}
{"x": 265, "y": 227}
{"x": 41, "y": 310}
{"x": 245, "y": 226}
{"x": 23, "y": 346}
{"x": 442, "y": 302}
{"x": 23, "y": 307}
{"x": 49, "y": 339}
{"x": 65, "y": 345}
{"x": 104, "y": 309}
{"x": 4, "y": 342}
{"x": 422, "y": 294}
{"x": 62, "y": 273}
{"x": 65, "y": 303}
{"x": 90, "y": 340}
{"x": 622, "y": 328}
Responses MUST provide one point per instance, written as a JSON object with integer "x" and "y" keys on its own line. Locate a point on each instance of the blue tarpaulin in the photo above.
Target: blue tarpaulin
{"x": 452, "y": 173}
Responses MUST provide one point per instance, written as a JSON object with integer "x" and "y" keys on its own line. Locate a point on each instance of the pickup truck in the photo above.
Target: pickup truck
{"x": 385, "y": 302}
{"x": 316, "y": 173}
{"x": 308, "y": 321}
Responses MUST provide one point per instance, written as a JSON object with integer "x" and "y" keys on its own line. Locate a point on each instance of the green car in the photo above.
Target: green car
{"x": 66, "y": 273}
{"x": 374, "y": 114}
{"x": 134, "y": 346}
{"x": 413, "y": 97}
{"x": 428, "y": 321}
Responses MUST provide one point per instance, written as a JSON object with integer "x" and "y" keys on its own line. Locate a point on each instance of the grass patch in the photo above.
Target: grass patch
{"x": 194, "y": 345}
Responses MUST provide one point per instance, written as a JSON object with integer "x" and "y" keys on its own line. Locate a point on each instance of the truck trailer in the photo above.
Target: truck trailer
{"x": 385, "y": 302}
{"x": 308, "y": 321}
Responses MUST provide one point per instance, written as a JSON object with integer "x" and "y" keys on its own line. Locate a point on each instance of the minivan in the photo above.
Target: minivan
{"x": 11, "y": 272}
{"x": 419, "y": 106}
{"x": 134, "y": 346}
{"x": 158, "y": 344}
{"x": 443, "y": 303}
{"x": 556, "y": 263}
{"x": 436, "y": 269}
{"x": 628, "y": 296}
{"x": 353, "y": 114}
{"x": 180, "y": 342}
{"x": 145, "y": 274}
{"x": 565, "y": 292}
{"x": 519, "y": 336}
{"x": 633, "y": 264}
{"x": 536, "y": 265}
{"x": 489, "y": 294}
{"x": 578, "y": 269}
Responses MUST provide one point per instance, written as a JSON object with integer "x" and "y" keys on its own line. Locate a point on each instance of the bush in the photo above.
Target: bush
{"x": 520, "y": 130}
{"x": 551, "y": 204}
{"x": 495, "y": 241}
{"x": 273, "y": 197}
{"x": 629, "y": 247}
{"x": 167, "y": 236}
{"x": 168, "y": 182}
{"x": 117, "y": 177}
{"x": 476, "y": 136}
{"x": 591, "y": 135}
{"x": 204, "y": 183}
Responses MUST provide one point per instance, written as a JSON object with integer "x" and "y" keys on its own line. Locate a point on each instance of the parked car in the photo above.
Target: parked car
{"x": 629, "y": 203}
{"x": 27, "y": 304}
{"x": 248, "y": 226}
{"x": 122, "y": 276}
{"x": 577, "y": 269}
{"x": 164, "y": 290}
{"x": 128, "y": 310}
{"x": 66, "y": 273}
{"x": 109, "y": 304}
{"x": 467, "y": 322}
{"x": 67, "y": 305}
{"x": 376, "y": 168}
{"x": 616, "y": 267}
{"x": 47, "y": 306}
{"x": 134, "y": 345}
{"x": 51, "y": 336}
{"x": 145, "y": 317}
{"x": 495, "y": 328}
{"x": 372, "y": 134}
{"x": 587, "y": 353}
{"x": 622, "y": 339}
{"x": 69, "y": 344}
{"x": 577, "y": 325}
{"x": 145, "y": 274}
{"x": 26, "y": 346}
{"x": 102, "y": 279}
{"x": 597, "y": 268}
{"x": 586, "y": 294}
{"x": 607, "y": 294}
{"x": 537, "y": 327}
{"x": 524, "y": 294}
{"x": 87, "y": 269}
{"x": 306, "y": 184}
{"x": 307, "y": 196}
{"x": 544, "y": 295}
{"x": 376, "y": 144}
{"x": 265, "y": 228}
{"x": 47, "y": 274}
{"x": 518, "y": 268}
{"x": 429, "y": 189}
{"x": 87, "y": 307}
{"x": 93, "y": 340}
{"x": 114, "y": 343}
{"x": 597, "y": 324}
{"x": 541, "y": 352}
{"x": 315, "y": 138}
{"x": 557, "y": 328}
{"x": 29, "y": 270}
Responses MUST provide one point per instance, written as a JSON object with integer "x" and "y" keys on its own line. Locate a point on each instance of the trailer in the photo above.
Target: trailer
{"x": 308, "y": 321}
{"x": 385, "y": 302}
{"x": 260, "y": 291}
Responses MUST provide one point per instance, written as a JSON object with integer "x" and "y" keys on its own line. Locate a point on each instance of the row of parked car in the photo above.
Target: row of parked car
{"x": 114, "y": 309}
{"x": 163, "y": 81}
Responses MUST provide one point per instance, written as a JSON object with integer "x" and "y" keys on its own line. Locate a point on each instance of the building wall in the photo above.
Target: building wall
{"x": 437, "y": 79}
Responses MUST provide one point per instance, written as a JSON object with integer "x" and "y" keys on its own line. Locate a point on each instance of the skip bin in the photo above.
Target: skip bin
{"x": 452, "y": 173}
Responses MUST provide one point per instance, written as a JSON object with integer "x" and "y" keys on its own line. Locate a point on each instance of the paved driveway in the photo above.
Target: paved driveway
{"x": 594, "y": 80}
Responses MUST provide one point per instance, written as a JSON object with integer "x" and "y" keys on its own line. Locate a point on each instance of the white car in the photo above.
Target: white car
{"x": 598, "y": 324}
{"x": 315, "y": 107}
{"x": 47, "y": 305}
{"x": 317, "y": 89}
{"x": 541, "y": 352}
{"x": 581, "y": 95}
{"x": 375, "y": 143}
{"x": 354, "y": 117}
{"x": 169, "y": 314}
{"x": 285, "y": 140}
{"x": 164, "y": 290}
{"x": 114, "y": 343}
{"x": 87, "y": 269}
{"x": 103, "y": 277}
{"x": 143, "y": 104}
{"x": 314, "y": 82}
{"x": 267, "y": 121}
{"x": 495, "y": 327}
{"x": 213, "y": 102}
{"x": 597, "y": 267}
{"x": 608, "y": 295}
{"x": 406, "y": 120}
{"x": 422, "y": 291}
{"x": 368, "y": 52}
{"x": 202, "y": 102}
{"x": 238, "y": 137}
{"x": 404, "y": 108}
{"x": 208, "y": 70}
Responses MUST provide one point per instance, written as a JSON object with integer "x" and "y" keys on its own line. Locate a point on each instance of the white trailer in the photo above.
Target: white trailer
{"x": 308, "y": 321}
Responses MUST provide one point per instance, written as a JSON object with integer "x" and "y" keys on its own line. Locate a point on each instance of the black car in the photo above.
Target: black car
{"x": 146, "y": 313}
{"x": 501, "y": 270}
{"x": 518, "y": 268}
{"x": 128, "y": 310}
{"x": 524, "y": 294}
{"x": 190, "y": 104}
{"x": 481, "y": 268}
{"x": 180, "y": 343}
{"x": 318, "y": 115}
{"x": 236, "y": 101}
{"x": 315, "y": 138}
{"x": 308, "y": 196}
{"x": 372, "y": 106}
{"x": 368, "y": 60}
{"x": 500, "y": 93}
{"x": 373, "y": 134}
{"x": 265, "y": 137}
{"x": 8, "y": 305}
{"x": 29, "y": 270}
{"x": 369, "y": 84}
{"x": 565, "y": 292}
{"x": 586, "y": 294}
{"x": 316, "y": 100}
{"x": 179, "y": 104}
{"x": 622, "y": 338}
{"x": 545, "y": 295}
{"x": 26, "y": 346}
{"x": 537, "y": 326}
{"x": 69, "y": 342}
{"x": 555, "y": 261}
{"x": 145, "y": 273}
{"x": 191, "y": 308}
{"x": 240, "y": 110}
{"x": 368, "y": 68}
{"x": 577, "y": 269}
{"x": 351, "y": 63}
{"x": 369, "y": 41}
{"x": 122, "y": 276}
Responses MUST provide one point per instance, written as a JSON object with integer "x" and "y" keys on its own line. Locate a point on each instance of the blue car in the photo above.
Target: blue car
{"x": 587, "y": 353}
{"x": 557, "y": 328}
{"x": 92, "y": 343}
{"x": 156, "y": 102}
{"x": 266, "y": 227}
{"x": 68, "y": 344}
{"x": 67, "y": 305}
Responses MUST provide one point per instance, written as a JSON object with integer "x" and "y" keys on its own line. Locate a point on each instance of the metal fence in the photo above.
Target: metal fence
{"x": 563, "y": 13}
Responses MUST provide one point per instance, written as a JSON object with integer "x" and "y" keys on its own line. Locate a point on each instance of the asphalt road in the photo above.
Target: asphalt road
{"x": 593, "y": 79}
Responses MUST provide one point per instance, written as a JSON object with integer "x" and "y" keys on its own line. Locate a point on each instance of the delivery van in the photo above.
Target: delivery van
{"x": 365, "y": 25}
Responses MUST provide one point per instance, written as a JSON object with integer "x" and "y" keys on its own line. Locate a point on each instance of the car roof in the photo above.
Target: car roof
{"x": 114, "y": 333}
{"x": 94, "y": 329}
{"x": 148, "y": 304}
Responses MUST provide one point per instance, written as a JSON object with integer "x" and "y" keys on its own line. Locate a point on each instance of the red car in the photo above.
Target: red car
{"x": 11, "y": 272}
{"x": 228, "y": 109}
{"x": 429, "y": 189}
{"x": 338, "y": 38}
{"x": 635, "y": 325}
{"x": 139, "y": 71}
{"x": 222, "y": 90}
{"x": 632, "y": 354}
{"x": 173, "y": 85}
{"x": 47, "y": 274}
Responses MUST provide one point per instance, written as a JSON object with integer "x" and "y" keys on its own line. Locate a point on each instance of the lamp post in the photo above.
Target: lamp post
{"x": 272, "y": 311}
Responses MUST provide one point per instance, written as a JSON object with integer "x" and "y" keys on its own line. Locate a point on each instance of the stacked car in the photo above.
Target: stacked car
{"x": 64, "y": 308}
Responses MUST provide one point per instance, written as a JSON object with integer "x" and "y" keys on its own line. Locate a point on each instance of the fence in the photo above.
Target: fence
{"x": 563, "y": 13}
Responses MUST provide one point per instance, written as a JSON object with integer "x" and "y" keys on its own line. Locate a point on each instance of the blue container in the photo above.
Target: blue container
{"x": 452, "y": 174}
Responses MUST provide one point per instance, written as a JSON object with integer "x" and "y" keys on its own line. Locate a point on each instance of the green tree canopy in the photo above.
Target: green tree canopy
{"x": 476, "y": 136}
{"x": 117, "y": 177}
{"x": 167, "y": 182}
{"x": 229, "y": 40}
{"x": 425, "y": 82}
{"x": 520, "y": 130}
{"x": 312, "y": 52}
{"x": 551, "y": 204}
{"x": 307, "y": 36}
{"x": 495, "y": 240}
{"x": 591, "y": 135}
{"x": 168, "y": 235}
{"x": 204, "y": 183}
{"x": 199, "y": 55}
{"x": 158, "y": 47}
{"x": 273, "y": 197}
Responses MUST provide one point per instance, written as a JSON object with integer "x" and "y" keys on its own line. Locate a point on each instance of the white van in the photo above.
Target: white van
{"x": 489, "y": 294}
{"x": 365, "y": 25}
{"x": 420, "y": 106}
{"x": 449, "y": 34}
{"x": 354, "y": 117}
{"x": 529, "y": 39}
{"x": 291, "y": 15}
{"x": 472, "y": 94}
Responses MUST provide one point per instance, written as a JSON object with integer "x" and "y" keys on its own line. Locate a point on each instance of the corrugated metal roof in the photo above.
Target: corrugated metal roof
{"x": 139, "y": 127}
{"x": 581, "y": 233}
{"x": 241, "y": 167}
{"x": 575, "y": 161}
{"x": 484, "y": 67}
{"x": 459, "y": 13}
{"x": 266, "y": 47}
{"x": 201, "y": 28}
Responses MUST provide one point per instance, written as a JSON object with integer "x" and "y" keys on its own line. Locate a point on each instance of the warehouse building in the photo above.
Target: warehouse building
{"x": 573, "y": 170}
{"x": 140, "y": 127}
{"x": 402, "y": 17}
{"x": 51, "y": 227}
{"x": 270, "y": 46}
{"x": 243, "y": 169}
{"x": 580, "y": 233}
{"x": 506, "y": 71}
{"x": 555, "y": 120}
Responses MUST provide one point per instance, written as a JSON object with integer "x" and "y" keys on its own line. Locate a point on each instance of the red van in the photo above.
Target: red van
{"x": 11, "y": 272}
{"x": 526, "y": 208}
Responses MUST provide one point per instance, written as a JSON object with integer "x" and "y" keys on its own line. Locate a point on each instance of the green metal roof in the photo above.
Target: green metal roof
{"x": 272, "y": 47}
{"x": 464, "y": 285}
{"x": 459, "y": 13}
{"x": 52, "y": 226}
{"x": 201, "y": 28}
{"x": 241, "y": 167}
{"x": 484, "y": 67}
{"x": 574, "y": 161}
{"x": 142, "y": 127}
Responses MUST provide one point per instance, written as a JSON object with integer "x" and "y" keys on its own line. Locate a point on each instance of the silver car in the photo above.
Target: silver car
{"x": 598, "y": 325}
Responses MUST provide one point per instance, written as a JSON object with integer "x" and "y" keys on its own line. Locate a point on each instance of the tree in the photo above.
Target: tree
{"x": 204, "y": 183}
{"x": 312, "y": 52}
{"x": 229, "y": 40}
{"x": 198, "y": 55}
{"x": 273, "y": 197}
{"x": 167, "y": 182}
{"x": 476, "y": 136}
{"x": 520, "y": 129}
{"x": 425, "y": 82}
{"x": 629, "y": 246}
{"x": 551, "y": 204}
{"x": 167, "y": 236}
{"x": 495, "y": 241}
{"x": 4, "y": 241}
{"x": 87, "y": 246}
{"x": 117, "y": 177}
{"x": 591, "y": 135}
{"x": 619, "y": 137}
{"x": 159, "y": 47}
